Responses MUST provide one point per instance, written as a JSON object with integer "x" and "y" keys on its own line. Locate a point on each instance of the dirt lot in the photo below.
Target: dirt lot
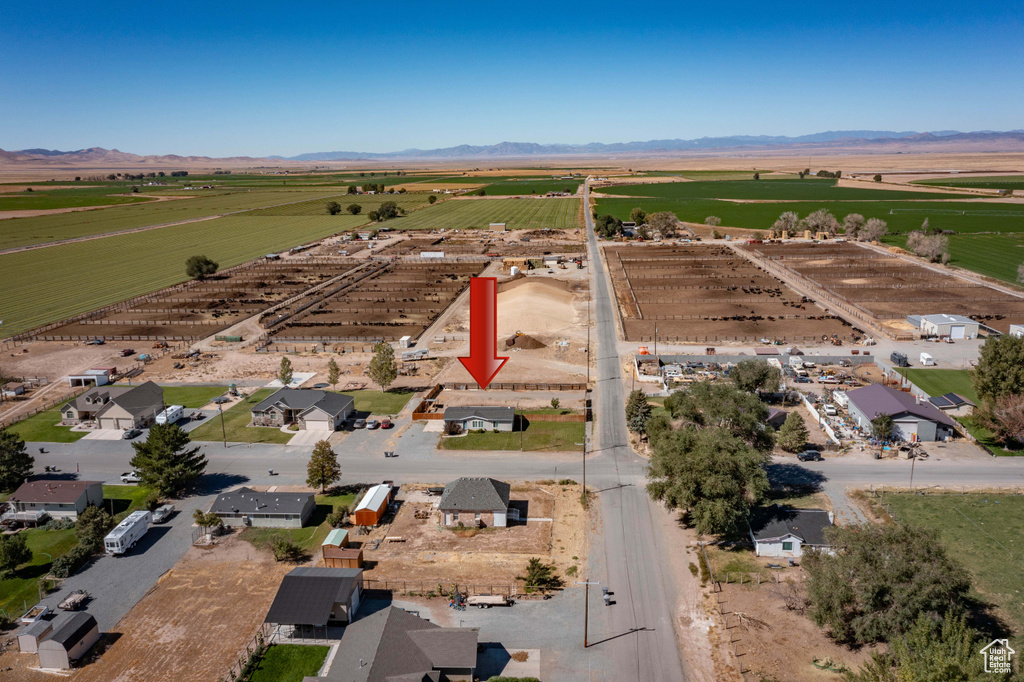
{"x": 708, "y": 293}
{"x": 490, "y": 556}
{"x": 888, "y": 288}
{"x": 199, "y": 617}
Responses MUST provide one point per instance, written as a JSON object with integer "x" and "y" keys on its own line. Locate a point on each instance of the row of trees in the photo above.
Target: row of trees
{"x": 334, "y": 208}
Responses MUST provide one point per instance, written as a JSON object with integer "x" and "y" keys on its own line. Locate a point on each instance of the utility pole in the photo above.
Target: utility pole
{"x": 588, "y": 341}
{"x": 912, "y": 461}
{"x": 224, "y": 432}
{"x": 655, "y": 341}
{"x": 586, "y": 608}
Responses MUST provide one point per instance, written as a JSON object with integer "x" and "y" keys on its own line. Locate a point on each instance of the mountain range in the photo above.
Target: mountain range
{"x": 849, "y": 140}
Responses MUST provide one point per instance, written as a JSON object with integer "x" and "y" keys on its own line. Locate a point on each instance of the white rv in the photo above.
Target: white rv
{"x": 171, "y": 415}
{"x": 124, "y": 536}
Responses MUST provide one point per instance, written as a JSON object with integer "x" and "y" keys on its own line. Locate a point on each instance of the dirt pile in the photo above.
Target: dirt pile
{"x": 534, "y": 305}
{"x": 525, "y": 342}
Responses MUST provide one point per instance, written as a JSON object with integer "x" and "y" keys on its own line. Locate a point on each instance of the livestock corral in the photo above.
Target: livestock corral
{"x": 198, "y": 309}
{"x": 389, "y": 300}
{"x": 534, "y": 243}
{"x": 710, "y": 293}
{"x": 887, "y": 288}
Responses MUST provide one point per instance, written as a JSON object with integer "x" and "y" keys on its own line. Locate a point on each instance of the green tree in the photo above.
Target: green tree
{"x": 742, "y": 414}
{"x": 373, "y": 216}
{"x": 540, "y": 576}
{"x": 354, "y": 209}
{"x": 638, "y": 215}
{"x": 351, "y": 190}
{"x": 383, "y": 370}
{"x": 15, "y": 462}
{"x": 388, "y": 210}
{"x": 333, "y": 207}
{"x": 323, "y": 469}
{"x": 200, "y": 267}
{"x": 882, "y": 427}
{"x": 164, "y": 460}
{"x": 285, "y": 549}
{"x": 880, "y": 579}
{"x": 554, "y": 403}
{"x": 284, "y": 372}
{"x": 333, "y": 372}
{"x": 793, "y": 434}
{"x": 638, "y": 411}
{"x": 877, "y": 178}
{"x": 1000, "y": 369}
{"x": 206, "y": 520}
{"x": 930, "y": 651}
{"x": 432, "y": 199}
{"x": 755, "y": 375}
{"x": 92, "y": 526}
{"x": 14, "y": 552}
{"x": 608, "y": 226}
{"x": 757, "y": 176}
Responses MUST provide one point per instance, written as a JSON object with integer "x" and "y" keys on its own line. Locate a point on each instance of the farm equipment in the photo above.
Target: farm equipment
{"x": 160, "y": 344}
{"x": 511, "y": 341}
{"x": 74, "y": 601}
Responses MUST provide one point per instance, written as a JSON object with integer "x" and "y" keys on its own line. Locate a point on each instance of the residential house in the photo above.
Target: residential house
{"x": 116, "y": 407}
{"x": 915, "y": 419}
{"x": 70, "y": 642}
{"x": 393, "y": 645}
{"x": 317, "y": 597}
{"x": 486, "y": 418}
{"x": 476, "y": 501}
{"x": 311, "y": 409}
{"x": 59, "y": 499}
{"x": 246, "y": 507}
{"x": 784, "y": 532}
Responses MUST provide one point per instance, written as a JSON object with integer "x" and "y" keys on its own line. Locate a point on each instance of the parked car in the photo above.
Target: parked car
{"x": 831, "y": 410}
{"x": 802, "y": 380}
{"x": 373, "y": 424}
{"x": 359, "y": 424}
{"x": 130, "y": 433}
{"x": 163, "y": 513}
{"x": 809, "y": 456}
{"x": 95, "y": 342}
{"x": 130, "y": 477}
{"x": 125, "y": 352}
{"x": 386, "y": 424}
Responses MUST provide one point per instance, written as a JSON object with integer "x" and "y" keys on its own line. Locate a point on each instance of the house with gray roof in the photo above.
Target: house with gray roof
{"x": 915, "y": 419}
{"x": 311, "y": 409}
{"x": 476, "y": 502}
{"x": 116, "y": 407}
{"x": 393, "y": 645}
{"x": 486, "y": 418}
{"x": 247, "y": 507}
{"x": 784, "y": 532}
{"x": 317, "y": 597}
{"x": 57, "y": 498}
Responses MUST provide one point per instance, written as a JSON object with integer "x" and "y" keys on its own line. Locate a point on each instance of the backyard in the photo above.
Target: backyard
{"x": 45, "y": 428}
{"x": 375, "y": 402}
{"x": 312, "y": 535}
{"x": 289, "y": 663}
{"x": 20, "y": 591}
{"x": 192, "y": 397}
{"x": 537, "y": 436}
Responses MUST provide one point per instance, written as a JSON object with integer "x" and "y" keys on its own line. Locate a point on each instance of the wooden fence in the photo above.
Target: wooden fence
{"x": 454, "y": 386}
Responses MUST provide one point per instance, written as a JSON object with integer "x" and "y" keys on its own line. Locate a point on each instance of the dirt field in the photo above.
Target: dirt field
{"x": 490, "y": 556}
{"x": 888, "y": 288}
{"x": 708, "y": 293}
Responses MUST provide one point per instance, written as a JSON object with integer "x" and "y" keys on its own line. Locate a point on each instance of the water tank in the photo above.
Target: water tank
{"x": 515, "y": 270}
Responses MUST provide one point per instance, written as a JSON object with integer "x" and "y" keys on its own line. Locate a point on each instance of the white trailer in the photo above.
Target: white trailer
{"x": 127, "y": 533}
{"x": 796, "y": 362}
{"x": 927, "y": 360}
{"x": 171, "y": 414}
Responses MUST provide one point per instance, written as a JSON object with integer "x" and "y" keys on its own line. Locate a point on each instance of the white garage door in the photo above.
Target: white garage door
{"x": 907, "y": 430}
{"x": 956, "y": 331}
{"x": 317, "y": 425}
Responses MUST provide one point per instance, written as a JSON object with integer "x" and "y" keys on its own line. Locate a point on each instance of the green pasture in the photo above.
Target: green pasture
{"x": 714, "y": 174}
{"x": 990, "y": 182}
{"x": 369, "y": 202}
{"x": 42, "y": 197}
{"x": 783, "y": 189}
{"x": 941, "y": 381}
{"x": 48, "y": 284}
{"x": 994, "y": 255}
{"x": 531, "y": 186}
{"x": 470, "y": 214}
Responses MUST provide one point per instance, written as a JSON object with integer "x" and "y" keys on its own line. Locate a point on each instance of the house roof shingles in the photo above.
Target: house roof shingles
{"x": 307, "y": 595}
{"x": 304, "y": 399}
{"x": 772, "y": 523}
{"x": 877, "y": 400}
{"x": 475, "y": 495}
{"x": 49, "y": 491}
{"x": 492, "y": 414}
{"x": 247, "y": 500}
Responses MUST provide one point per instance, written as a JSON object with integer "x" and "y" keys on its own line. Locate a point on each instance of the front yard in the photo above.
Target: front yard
{"x": 45, "y": 428}
{"x": 538, "y": 436}
{"x": 236, "y": 423}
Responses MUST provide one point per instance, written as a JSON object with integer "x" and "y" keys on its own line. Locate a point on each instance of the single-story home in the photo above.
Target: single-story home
{"x": 56, "y": 498}
{"x": 393, "y": 645}
{"x": 309, "y": 408}
{"x": 475, "y": 501}
{"x": 783, "y": 532}
{"x": 953, "y": 326}
{"x": 337, "y": 553}
{"x": 246, "y": 507}
{"x": 116, "y": 407}
{"x": 69, "y": 642}
{"x": 915, "y": 419}
{"x": 372, "y": 505}
{"x": 317, "y": 597}
{"x": 486, "y": 418}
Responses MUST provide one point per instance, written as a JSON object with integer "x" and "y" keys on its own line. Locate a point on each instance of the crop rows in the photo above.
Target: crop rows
{"x": 517, "y": 214}
{"x": 368, "y": 202}
{"x": 762, "y": 190}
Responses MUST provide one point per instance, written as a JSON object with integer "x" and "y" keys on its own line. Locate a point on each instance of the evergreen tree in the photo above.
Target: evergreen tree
{"x": 14, "y": 551}
{"x": 164, "y": 460}
{"x": 383, "y": 369}
{"x": 638, "y": 411}
{"x": 333, "y": 372}
{"x": 284, "y": 372}
{"x": 793, "y": 434}
{"x": 323, "y": 469}
{"x": 15, "y": 462}
{"x": 92, "y": 526}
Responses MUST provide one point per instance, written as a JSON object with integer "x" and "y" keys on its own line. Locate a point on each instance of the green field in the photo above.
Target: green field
{"x": 192, "y": 396}
{"x": 983, "y": 533}
{"x": 43, "y": 428}
{"x": 23, "y": 231}
{"x": 41, "y": 198}
{"x": 538, "y": 436}
{"x": 369, "y": 202}
{"x": 469, "y": 214}
{"x": 236, "y": 423}
{"x": 994, "y": 255}
{"x": 289, "y": 663}
{"x": 375, "y": 402}
{"x": 782, "y": 189}
{"x": 21, "y": 590}
{"x": 49, "y": 284}
{"x": 532, "y": 186}
{"x": 991, "y": 182}
{"x": 941, "y": 381}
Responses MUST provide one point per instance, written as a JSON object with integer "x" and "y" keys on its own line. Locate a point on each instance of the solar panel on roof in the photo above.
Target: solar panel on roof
{"x": 955, "y": 399}
{"x": 940, "y": 401}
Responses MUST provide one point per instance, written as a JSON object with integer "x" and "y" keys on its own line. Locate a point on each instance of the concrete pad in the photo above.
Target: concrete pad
{"x": 311, "y": 437}
{"x": 433, "y": 426}
{"x": 298, "y": 378}
{"x": 104, "y": 434}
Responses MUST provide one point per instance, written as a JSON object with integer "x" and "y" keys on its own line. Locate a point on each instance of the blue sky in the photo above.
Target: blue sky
{"x": 257, "y": 79}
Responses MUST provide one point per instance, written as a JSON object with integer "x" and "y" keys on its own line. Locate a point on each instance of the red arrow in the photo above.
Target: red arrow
{"x": 483, "y": 361}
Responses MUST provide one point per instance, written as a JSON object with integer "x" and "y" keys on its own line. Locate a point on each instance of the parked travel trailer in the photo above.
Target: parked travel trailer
{"x": 127, "y": 533}
{"x": 170, "y": 415}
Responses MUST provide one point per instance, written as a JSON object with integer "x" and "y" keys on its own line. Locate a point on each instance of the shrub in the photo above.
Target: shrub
{"x": 59, "y": 524}
{"x": 285, "y": 549}
{"x": 152, "y": 501}
{"x": 66, "y": 565}
{"x": 337, "y": 518}
{"x": 452, "y": 428}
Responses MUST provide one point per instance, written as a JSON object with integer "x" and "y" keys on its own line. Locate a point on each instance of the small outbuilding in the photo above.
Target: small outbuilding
{"x": 32, "y": 634}
{"x": 952, "y": 326}
{"x": 372, "y": 505}
{"x": 776, "y": 417}
{"x": 486, "y": 418}
{"x": 783, "y": 532}
{"x": 475, "y": 501}
{"x": 69, "y": 642}
{"x": 317, "y": 597}
{"x": 337, "y": 553}
{"x": 247, "y": 507}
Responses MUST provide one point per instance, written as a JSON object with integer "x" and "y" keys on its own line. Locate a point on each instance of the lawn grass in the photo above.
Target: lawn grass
{"x": 538, "y": 436}
{"x": 122, "y": 500}
{"x": 477, "y": 214}
{"x": 982, "y": 532}
{"x": 375, "y": 402}
{"x": 308, "y": 538}
{"x": 941, "y": 381}
{"x": 192, "y": 396}
{"x": 236, "y": 423}
{"x": 20, "y": 591}
{"x": 43, "y": 428}
{"x": 289, "y": 663}
{"x": 337, "y": 499}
